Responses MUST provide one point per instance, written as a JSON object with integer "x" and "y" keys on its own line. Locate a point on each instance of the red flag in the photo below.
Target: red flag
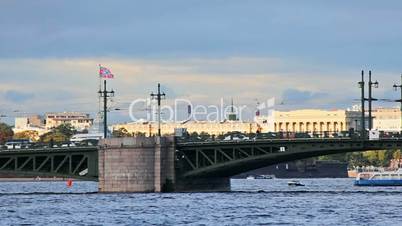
{"x": 105, "y": 73}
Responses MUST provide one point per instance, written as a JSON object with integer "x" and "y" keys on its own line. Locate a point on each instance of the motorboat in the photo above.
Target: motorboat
{"x": 265, "y": 177}
{"x": 295, "y": 183}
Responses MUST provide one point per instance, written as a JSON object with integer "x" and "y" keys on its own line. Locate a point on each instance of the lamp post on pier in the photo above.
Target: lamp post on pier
{"x": 371, "y": 84}
{"x": 159, "y": 96}
{"x": 105, "y": 94}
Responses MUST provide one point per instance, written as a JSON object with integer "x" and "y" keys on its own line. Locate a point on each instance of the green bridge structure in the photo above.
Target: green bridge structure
{"x": 67, "y": 162}
{"x": 206, "y": 161}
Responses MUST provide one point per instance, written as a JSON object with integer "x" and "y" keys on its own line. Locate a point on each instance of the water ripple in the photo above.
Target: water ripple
{"x": 258, "y": 202}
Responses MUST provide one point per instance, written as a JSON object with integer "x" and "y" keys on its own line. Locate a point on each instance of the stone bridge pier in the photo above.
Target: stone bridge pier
{"x": 147, "y": 164}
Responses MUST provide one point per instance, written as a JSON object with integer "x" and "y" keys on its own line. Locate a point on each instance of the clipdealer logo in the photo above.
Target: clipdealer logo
{"x": 197, "y": 112}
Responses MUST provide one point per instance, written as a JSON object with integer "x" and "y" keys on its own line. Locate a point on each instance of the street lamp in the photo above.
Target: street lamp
{"x": 400, "y": 100}
{"x": 361, "y": 86}
{"x": 159, "y": 96}
{"x": 370, "y": 99}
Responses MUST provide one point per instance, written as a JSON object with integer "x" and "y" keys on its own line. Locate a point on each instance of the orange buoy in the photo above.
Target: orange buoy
{"x": 69, "y": 183}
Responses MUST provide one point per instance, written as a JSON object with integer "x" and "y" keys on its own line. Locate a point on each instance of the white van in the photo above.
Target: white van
{"x": 13, "y": 145}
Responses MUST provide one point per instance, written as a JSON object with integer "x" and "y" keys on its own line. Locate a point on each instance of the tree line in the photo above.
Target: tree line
{"x": 61, "y": 133}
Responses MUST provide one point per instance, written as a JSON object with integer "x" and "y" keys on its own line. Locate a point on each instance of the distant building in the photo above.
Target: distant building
{"x": 306, "y": 120}
{"x": 30, "y": 123}
{"x": 80, "y": 121}
{"x": 310, "y": 120}
{"x": 212, "y": 128}
{"x": 387, "y": 119}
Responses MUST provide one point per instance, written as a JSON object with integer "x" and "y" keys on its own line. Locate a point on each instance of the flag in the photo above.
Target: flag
{"x": 105, "y": 73}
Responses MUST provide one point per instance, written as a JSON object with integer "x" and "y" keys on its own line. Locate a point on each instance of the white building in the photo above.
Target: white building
{"x": 29, "y": 123}
{"x": 387, "y": 119}
{"x": 213, "y": 128}
{"x": 310, "y": 120}
{"x": 80, "y": 121}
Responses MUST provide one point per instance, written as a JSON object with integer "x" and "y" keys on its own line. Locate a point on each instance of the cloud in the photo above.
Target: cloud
{"x": 298, "y": 96}
{"x": 307, "y": 30}
{"x": 71, "y": 84}
{"x": 17, "y": 96}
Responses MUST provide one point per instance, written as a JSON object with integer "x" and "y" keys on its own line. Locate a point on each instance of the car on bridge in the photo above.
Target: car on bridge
{"x": 68, "y": 144}
{"x": 236, "y": 137}
{"x": 18, "y": 144}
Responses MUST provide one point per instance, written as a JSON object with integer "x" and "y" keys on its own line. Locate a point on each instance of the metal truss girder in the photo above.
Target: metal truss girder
{"x": 245, "y": 153}
{"x": 206, "y": 157}
{"x": 47, "y": 158}
{"x": 79, "y": 164}
{"x": 7, "y": 163}
{"x": 25, "y": 163}
{"x": 61, "y": 163}
{"x": 224, "y": 154}
{"x": 51, "y": 162}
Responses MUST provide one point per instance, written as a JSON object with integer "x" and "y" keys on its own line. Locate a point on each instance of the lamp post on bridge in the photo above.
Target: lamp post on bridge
{"x": 159, "y": 96}
{"x": 400, "y": 100}
{"x": 371, "y": 84}
{"x": 363, "y": 127}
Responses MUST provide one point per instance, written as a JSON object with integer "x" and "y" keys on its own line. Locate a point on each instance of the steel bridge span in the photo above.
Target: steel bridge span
{"x": 226, "y": 159}
{"x": 192, "y": 159}
{"x": 72, "y": 162}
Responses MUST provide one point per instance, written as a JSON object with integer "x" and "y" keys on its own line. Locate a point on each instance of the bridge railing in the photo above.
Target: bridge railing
{"x": 48, "y": 145}
{"x": 238, "y": 136}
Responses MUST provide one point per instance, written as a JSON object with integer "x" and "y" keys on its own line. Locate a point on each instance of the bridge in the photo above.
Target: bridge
{"x": 188, "y": 165}
{"x": 65, "y": 162}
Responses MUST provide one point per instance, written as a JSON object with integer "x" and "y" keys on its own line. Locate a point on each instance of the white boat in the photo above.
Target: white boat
{"x": 295, "y": 183}
{"x": 250, "y": 177}
{"x": 387, "y": 178}
{"x": 265, "y": 177}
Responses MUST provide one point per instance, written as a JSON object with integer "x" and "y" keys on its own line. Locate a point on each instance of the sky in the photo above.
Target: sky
{"x": 305, "y": 54}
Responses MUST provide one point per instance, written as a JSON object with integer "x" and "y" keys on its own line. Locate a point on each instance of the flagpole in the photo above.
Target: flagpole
{"x": 100, "y": 118}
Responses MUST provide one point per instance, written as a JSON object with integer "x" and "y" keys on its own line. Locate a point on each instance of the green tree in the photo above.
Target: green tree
{"x": 356, "y": 159}
{"x": 54, "y": 136}
{"x": 6, "y": 133}
{"x": 372, "y": 157}
{"x": 61, "y": 133}
{"x": 66, "y": 129}
{"x": 204, "y": 135}
{"x": 121, "y": 132}
{"x": 397, "y": 154}
{"x": 28, "y": 134}
{"x": 336, "y": 157}
{"x": 194, "y": 136}
{"x": 139, "y": 134}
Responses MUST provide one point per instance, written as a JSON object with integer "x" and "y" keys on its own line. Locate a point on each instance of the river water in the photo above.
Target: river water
{"x": 251, "y": 202}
